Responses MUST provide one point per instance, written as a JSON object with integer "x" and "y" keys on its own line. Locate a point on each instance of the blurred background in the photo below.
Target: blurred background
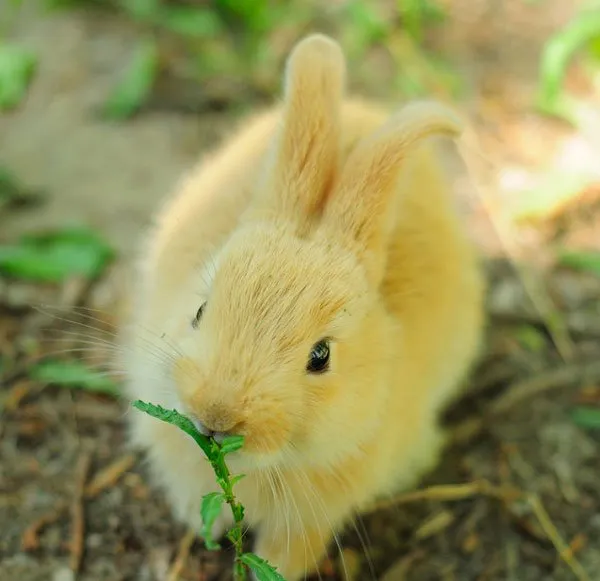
{"x": 105, "y": 103}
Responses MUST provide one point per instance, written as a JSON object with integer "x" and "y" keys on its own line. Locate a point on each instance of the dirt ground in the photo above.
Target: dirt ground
{"x": 521, "y": 500}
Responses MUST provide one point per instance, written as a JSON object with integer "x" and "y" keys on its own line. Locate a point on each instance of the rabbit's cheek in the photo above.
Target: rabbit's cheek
{"x": 266, "y": 435}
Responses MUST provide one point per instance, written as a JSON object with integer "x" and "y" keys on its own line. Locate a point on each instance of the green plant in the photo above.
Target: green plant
{"x": 212, "y": 503}
{"x": 581, "y": 261}
{"x": 417, "y": 14}
{"x": 17, "y": 67}
{"x": 136, "y": 84}
{"x": 56, "y": 255}
{"x": 582, "y": 31}
{"x": 73, "y": 374}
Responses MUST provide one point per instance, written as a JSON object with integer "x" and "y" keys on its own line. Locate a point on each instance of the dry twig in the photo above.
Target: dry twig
{"x": 529, "y": 387}
{"x": 30, "y": 539}
{"x": 182, "y": 554}
{"x": 507, "y": 495}
{"x": 109, "y": 475}
{"x": 578, "y": 324}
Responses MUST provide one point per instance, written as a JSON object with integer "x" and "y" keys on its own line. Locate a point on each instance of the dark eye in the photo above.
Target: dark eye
{"x": 318, "y": 361}
{"x": 198, "y": 316}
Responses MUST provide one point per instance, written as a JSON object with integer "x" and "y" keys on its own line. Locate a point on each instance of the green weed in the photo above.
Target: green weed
{"x": 220, "y": 40}
{"x": 56, "y": 255}
{"x": 582, "y": 261}
{"x": 587, "y": 418}
{"x": 418, "y": 14}
{"x": 73, "y": 374}
{"x": 136, "y": 84}
{"x": 583, "y": 31}
{"x": 212, "y": 503}
{"x": 17, "y": 68}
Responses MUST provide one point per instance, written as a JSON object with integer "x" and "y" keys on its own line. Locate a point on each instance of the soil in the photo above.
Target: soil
{"x": 519, "y": 498}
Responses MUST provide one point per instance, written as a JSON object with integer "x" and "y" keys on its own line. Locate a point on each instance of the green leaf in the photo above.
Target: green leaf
{"x": 212, "y": 504}
{"x": 416, "y": 14}
{"x": 174, "y": 418}
{"x": 73, "y": 374}
{"x": 142, "y": 10}
{"x": 257, "y": 17}
{"x": 231, "y": 444}
{"x": 192, "y": 22}
{"x": 587, "y": 418}
{"x": 235, "y": 479}
{"x": 56, "y": 255}
{"x": 594, "y": 48}
{"x": 584, "y": 261}
{"x": 17, "y": 67}
{"x": 556, "y": 56}
{"x": 367, "y": 22}
{"x": 263, "y": 570}
{"x": 135, "y": 87}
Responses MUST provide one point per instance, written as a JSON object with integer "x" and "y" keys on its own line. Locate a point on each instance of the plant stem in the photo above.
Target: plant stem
{"x": 235, "y": 535}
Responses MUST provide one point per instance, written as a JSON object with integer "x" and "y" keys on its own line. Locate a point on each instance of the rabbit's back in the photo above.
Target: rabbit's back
{"x": 433, "y": 282}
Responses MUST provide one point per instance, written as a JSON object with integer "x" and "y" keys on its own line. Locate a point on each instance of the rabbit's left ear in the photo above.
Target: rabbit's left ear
{"x": 305, "y": 153}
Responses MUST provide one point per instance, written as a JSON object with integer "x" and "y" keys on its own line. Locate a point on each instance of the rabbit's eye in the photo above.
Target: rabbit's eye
{"x": 318, "y": 361}
{"x": 198, "y": 316}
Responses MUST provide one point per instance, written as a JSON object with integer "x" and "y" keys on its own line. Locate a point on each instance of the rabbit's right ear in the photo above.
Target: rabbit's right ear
{"x": 304, "y": 158}
{"x": 363, "y": 206}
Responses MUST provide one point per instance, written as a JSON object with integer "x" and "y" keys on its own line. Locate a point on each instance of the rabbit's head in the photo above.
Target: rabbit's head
{"x": 288, "y": 343}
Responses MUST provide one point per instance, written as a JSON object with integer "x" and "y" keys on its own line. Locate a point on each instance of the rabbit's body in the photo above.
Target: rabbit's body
{"x": 401, "y": 301}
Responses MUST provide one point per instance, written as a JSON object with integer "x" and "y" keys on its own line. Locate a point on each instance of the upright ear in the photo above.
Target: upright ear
{"x": 364, "y": 201}
{"x": 304, "y": 158}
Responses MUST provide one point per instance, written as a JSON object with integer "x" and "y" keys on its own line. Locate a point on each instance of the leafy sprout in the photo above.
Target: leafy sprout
{"x": 213, "y": 502}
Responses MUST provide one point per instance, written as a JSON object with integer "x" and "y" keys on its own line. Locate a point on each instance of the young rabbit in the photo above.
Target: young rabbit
{"x": 310, "y": 288}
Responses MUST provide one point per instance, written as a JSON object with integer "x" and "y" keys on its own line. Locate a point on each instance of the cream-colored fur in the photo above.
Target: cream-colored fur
{"x": 323, "y": 218}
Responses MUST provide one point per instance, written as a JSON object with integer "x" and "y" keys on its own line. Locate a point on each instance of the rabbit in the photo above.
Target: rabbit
{"x": 310, "y": 287}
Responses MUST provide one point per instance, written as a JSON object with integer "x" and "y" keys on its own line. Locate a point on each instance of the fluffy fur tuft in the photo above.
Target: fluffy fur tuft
{"x": 323, "y": 219}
